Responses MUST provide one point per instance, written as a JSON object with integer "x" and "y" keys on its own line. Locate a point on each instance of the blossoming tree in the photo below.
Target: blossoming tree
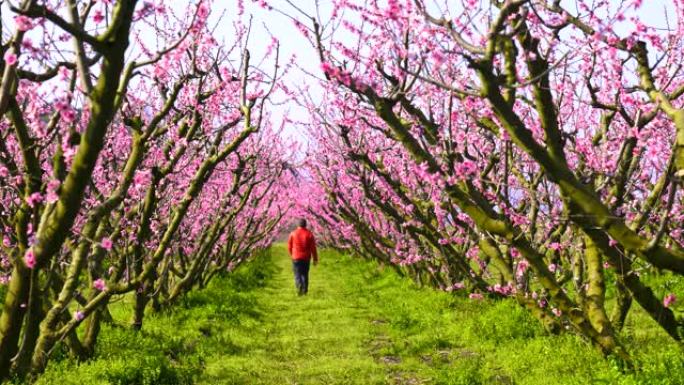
{"x": 129, "y": 165}
{"x": 511, "y": 148}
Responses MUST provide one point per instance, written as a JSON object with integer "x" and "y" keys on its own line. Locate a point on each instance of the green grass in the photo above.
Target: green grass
{"x": 359, "y": 325}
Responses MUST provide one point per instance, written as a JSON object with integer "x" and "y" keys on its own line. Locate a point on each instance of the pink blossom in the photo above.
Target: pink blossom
{"x": 203, "y": 11}
{"x": 263, "y": 4}
{"x": 68, "y": 115}
{"x": 34, "y": 199}
{"x": 98, "y": 16}
{"x": 456, "y": 286}
{"x": 10, "y": 58}
{"x": 106, "y": 243}
{"x": 641, "y": 27}
{"x": 507, "y": 289}
{"x": 465, "y": 169}
{"x": 30, "y": 259}
{"x": 23, "y": 23}
{"x": 140, "y": 178}
{"x": 521, "y": 268}
{"x": 51, "y": 197}
{"x": 252, "y": 96}
{"x": 557, "y": 312}
{"x": 78, "y": 315}
{"x": 148, "y": 8}
{"x": 99, "y": 284}
{"x": 69, "y": 152}
{"x": 669, "y": 300}
{"x": 52, "y": 187}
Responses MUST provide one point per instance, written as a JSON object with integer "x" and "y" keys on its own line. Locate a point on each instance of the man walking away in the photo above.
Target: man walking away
{"x": 302, "y": 246}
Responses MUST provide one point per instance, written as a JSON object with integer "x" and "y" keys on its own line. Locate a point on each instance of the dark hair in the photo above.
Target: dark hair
{"x": 302, "y": 222}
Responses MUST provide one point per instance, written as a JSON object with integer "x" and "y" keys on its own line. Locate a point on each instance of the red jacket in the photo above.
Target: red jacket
{"x": 302, "y": 245}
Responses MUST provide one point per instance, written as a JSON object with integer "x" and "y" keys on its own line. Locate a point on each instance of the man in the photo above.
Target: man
{"x": 302, "y": 246}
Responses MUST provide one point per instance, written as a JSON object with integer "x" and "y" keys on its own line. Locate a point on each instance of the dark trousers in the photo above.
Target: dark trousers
{"x": 301, "y": 274}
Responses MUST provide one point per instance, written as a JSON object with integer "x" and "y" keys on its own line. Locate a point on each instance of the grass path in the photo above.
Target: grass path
{"x": 362, "y": 325}
{"x": 321, "y": 338}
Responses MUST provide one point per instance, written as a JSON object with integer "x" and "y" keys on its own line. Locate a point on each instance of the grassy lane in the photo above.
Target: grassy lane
{"x": 359, "y": 324}
{"x": 321, "y": 338}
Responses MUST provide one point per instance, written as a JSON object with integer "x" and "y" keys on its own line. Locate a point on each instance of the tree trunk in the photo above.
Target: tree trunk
{"x": 595, "y": 300}
{"x": 141, "y": 300}
{"x": 621, "y": 309}
{"x": 36, "y": 312}
{"x": 92, "y": 330}
{"x": 12, "y": 318}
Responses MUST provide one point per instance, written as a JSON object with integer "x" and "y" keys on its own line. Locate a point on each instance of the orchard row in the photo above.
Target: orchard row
{"x": 508, "y": 149}
{"x": 137, "y": 158}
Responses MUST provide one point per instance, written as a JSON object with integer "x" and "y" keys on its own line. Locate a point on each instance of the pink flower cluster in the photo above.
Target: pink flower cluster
{"x": 505, "y": 290}
{"x": 30, "y": 259}
{"x": 34, "y": 199}
{"x": 23, "y": 23}
{"x": 10, "y": 58}
{"x": 669, "y": 300}
{"x": 455, "y": 286}
{"x": 52, "y": 189}
{"x": 106, "y": 243}
{"x": 521, "y": 267}
{"x": 99, "y": 284}
{"x": 342, "y": 76}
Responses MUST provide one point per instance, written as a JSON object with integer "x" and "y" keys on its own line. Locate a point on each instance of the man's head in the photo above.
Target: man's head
{"x": 302, "y": 223}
